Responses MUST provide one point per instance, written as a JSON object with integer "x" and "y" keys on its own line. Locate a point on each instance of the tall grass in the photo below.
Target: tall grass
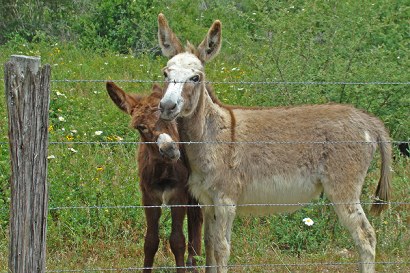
{"x": 346, "y": 41}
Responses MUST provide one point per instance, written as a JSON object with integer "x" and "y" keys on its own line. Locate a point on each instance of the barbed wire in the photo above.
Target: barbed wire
{"x": 246, "y": 82}
{"x": 237, "y": 82}
{"x": 290, "y": 142}
{"x": 234, "y": 82}
{"x": 228, "y": 205}
{"x": 167, "y": 206}
{"x": 239, "y": 142}
{"x": 233, "y": 266}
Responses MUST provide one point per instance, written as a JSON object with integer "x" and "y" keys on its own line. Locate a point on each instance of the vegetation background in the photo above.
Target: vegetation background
{"x": 285, "y": 41}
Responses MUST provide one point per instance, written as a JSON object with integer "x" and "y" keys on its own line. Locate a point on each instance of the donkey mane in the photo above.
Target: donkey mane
{"x": 229, "y": 108}
{"x": 191, "y": 49}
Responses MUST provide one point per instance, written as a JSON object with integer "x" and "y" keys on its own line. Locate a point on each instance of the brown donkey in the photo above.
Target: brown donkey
{"x": 283, "y": 155}
{"x": 163, "y": 176}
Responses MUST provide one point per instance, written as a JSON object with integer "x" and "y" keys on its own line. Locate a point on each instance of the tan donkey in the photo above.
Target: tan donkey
{"x": 302, "y": 151}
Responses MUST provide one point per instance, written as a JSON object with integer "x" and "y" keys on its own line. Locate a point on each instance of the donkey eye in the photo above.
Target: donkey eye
{"x": 142, "y": 128}
{"x": 194, "y": 78}
{"x": 165, "y": 74}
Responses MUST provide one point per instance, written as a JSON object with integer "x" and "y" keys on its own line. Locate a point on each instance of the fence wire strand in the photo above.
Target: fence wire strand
{"x": 229, "y": 205}
{"x": 167, "y": 206}
{"x": 273, "y": 142}
{"x": 290, "y": 142}
{"x": 235, "y": 82}
{"x": 238, "y": 82}
{"x": 231, "y": 266}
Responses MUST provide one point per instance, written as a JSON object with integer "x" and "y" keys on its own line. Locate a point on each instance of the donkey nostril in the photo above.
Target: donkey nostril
{"x": 161, "y": 152}
{"x": 169, "y": 106}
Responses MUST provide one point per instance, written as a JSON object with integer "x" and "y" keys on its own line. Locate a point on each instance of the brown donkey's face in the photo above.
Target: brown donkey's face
{"x": 184, "y": 73}
{"x": 145, "y": 118}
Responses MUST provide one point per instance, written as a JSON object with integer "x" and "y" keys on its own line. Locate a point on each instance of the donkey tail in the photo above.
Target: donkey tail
{"x": 382, "y": 194}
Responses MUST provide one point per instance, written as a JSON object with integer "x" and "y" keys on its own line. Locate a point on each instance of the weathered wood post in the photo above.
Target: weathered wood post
{"x": 27, "y": 88}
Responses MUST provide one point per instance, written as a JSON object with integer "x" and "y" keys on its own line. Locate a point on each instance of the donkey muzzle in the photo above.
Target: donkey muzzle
{"x": 170, "y": 151}
{"x": 169, "y": 110}
{"x": 167, "y": 147}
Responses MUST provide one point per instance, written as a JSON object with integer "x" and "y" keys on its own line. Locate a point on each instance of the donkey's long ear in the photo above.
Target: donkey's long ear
{"x": 168, "y": 41}
{"x": 124, "y": 101}
{"x": 156, "y": 91}
{"x": 212, "y": 42}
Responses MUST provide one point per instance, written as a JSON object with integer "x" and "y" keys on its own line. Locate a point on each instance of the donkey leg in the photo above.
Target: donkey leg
{"x": 151, "y": 242}
{"x": 224, "y": 216}
{"x": 194, "y": 233}
{"x": 177, "y": 238}
{"x": 209, "y": 234}
{"x": 354, "y": 219}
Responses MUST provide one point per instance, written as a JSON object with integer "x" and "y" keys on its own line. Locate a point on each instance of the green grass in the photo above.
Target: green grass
{"x": 262, "y": 41}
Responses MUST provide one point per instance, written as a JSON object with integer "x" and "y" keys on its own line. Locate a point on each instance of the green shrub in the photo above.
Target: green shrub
{"x": 120, "y": 25}
{"x": 52, "y": 17}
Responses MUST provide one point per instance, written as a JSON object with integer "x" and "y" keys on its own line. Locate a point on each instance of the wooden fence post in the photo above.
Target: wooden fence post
{"x": 27, "y": 87}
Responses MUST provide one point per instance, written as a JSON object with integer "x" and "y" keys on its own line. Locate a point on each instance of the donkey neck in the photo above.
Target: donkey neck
{"x": 200, "y": 126}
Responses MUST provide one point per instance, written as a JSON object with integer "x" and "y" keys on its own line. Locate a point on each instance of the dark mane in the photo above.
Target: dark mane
{"x": 230, "y": 108}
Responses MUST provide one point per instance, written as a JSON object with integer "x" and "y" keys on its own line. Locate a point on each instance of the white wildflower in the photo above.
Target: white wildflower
{"x": 98, "y": 133}
{"x": 61, "y": 94}
{"x": 308, "y": 221}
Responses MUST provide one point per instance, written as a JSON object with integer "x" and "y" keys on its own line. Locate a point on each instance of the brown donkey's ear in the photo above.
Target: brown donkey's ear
{"x": 156, "y": 91}
{"x": 124, "y": 101}
{"x": 168, "y": 41}
{"x": 212, "y": 42}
